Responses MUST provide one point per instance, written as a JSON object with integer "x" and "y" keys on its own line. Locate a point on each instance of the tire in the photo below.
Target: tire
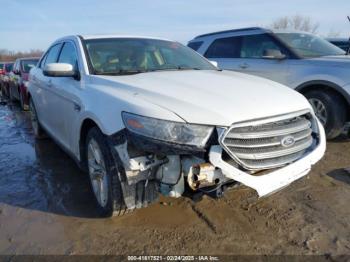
{"x": 334, "y": 108}
{"x": 39, "y": 132}
{"x": 104, "y": 173}
{"x": 24, "y": 107}
{"x": 4, "y": 90}
{"x": 11, "y": 97}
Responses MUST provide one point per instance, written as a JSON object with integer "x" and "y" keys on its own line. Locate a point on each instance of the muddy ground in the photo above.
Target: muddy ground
{"x": 46, "y": 208}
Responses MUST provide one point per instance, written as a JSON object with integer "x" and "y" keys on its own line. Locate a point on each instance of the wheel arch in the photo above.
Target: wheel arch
{"x": 326, "y": 85}
{"x": 85, "y": 126}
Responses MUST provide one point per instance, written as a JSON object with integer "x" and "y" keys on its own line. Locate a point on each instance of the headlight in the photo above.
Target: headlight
{"x": 169, "y": 131}
{"x": 25, "y": 83}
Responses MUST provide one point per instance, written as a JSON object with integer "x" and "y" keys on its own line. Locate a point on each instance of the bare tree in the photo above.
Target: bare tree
{"x": 7, "y": 55}
{"x": 297, "y": 22}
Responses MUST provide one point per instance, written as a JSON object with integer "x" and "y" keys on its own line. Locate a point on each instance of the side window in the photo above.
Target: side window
{"x": 255, "y": 46}
{"x": 42, "y": 61}
{"x": 69, "y": 55}
{"x": 52, "y": 55}
{"x": 224, "y": 48}
{"x": 195, "y": 45}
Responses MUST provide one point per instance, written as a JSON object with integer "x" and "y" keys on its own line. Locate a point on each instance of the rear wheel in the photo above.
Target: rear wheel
{"x": 11, "y": 96}
{"x": 39, "y": 133}
{"x": 104, "y": 175}
{"x": 5, "y": 90}
{"x": 330, "y": 109}
{"x": 24, "y": 106}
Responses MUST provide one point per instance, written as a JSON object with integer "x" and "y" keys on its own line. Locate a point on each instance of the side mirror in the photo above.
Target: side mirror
{"x": 16, "y": 72}
{"x": 273, "y": 54}
{"x": 59, "y": 70}
{"x": 214, "y": 63}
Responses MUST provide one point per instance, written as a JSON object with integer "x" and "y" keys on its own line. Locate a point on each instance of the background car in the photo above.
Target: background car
{"x": 19, "y": 80}
{"x": 5, "y": 69}
{"x": 342, "y": 43}
{"x": 303, "y": 61}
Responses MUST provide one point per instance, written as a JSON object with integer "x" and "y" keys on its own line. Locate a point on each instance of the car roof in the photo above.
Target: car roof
{"x": 232, "y": 31}
{"x": 88, "y": 37}
{"x": 248, "y": 29}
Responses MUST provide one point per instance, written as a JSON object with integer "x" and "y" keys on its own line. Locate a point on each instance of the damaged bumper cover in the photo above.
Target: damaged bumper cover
{"x": 276, "y": 180}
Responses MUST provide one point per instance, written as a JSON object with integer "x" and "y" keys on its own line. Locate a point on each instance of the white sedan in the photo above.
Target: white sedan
{"x": 145, "y": 116}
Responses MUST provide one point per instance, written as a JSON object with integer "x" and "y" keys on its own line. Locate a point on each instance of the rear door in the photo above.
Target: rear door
{"x": 226, "y": 52}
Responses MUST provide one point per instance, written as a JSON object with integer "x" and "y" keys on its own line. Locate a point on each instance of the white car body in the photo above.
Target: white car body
{"x": 215, "y": 98}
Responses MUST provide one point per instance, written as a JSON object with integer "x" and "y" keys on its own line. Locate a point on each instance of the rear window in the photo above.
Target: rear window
{"x": 195, "y": 45}
{"x": 225, "y": 48}
{"x": 29, "y": 64}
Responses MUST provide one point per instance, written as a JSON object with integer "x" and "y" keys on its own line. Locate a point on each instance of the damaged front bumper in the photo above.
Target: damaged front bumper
{"x": 206, "y": 169}
{"x": 276, "y": 180}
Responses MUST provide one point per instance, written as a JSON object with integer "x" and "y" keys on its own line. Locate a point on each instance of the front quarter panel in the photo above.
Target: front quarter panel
{"x": 104, "y": 101}
{"x": 302, "y": 71}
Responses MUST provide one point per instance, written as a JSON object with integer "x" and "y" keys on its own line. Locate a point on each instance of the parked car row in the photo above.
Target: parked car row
{"x": 5, "y": 69}
{"x": 148, "y": 116}
{"x": 14, "y": 80}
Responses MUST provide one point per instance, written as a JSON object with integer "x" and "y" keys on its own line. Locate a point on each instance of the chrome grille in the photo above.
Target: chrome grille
{"x": 263, "y": 146}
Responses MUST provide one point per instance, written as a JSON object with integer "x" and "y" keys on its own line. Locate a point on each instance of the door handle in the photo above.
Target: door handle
{"x": 244, "y": 65}
{"x": 49, "y": 83}
{"x": 77, "y": 107}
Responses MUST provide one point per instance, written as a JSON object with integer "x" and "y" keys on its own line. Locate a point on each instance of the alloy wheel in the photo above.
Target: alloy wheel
{"x": 97, "y": 173}
{"x": 320, "y": 110}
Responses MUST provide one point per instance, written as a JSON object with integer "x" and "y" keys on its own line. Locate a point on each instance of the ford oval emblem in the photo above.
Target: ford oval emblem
{"x": 288, "y": 141}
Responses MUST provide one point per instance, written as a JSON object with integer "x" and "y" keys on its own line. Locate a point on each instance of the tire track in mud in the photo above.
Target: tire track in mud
{"x": 204, "y": 218}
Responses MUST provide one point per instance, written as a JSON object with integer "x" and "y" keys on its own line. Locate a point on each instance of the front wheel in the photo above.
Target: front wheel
{"x": 330, "y": 109}
{"x": 104, "y": 175}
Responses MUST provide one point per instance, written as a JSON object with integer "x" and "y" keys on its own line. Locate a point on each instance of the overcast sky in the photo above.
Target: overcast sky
{"x": 27, "y": 24}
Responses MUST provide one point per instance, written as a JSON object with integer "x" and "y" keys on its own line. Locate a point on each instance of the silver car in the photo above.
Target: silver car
{"x": 302, "y": 61}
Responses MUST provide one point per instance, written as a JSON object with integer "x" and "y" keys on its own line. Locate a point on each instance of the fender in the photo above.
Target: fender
{"x": 325, "y": 83}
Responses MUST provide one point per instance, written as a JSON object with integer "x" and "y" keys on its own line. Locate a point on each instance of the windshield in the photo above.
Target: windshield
{"x": 135, "y": 55}
{"x": 29, "y": 64}
{"x": 307, "y": 45}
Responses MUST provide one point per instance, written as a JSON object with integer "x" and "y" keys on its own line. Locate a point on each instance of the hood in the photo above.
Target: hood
{"x": 339, "y": 60}
{"x": 211, "y": 97}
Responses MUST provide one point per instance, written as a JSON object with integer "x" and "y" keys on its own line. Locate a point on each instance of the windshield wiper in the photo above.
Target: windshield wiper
{"x": 174, "y": 68}
{"x": 121, "y": 72}
{"x": 188, "y": 68}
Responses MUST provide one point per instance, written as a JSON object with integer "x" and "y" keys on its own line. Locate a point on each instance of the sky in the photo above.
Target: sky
{"x": 34, "y": 24}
